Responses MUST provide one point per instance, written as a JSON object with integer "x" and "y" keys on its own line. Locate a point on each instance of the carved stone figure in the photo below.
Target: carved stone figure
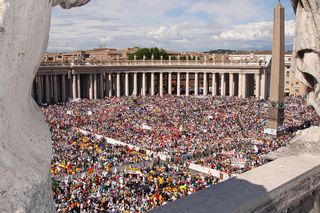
{"x": 306, "y": 58}
{"x": 25, "y": 145}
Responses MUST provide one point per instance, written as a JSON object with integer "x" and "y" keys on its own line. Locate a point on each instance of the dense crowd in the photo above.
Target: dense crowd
{"x": 225, "y": 134}
{"x": 75, "y": 153}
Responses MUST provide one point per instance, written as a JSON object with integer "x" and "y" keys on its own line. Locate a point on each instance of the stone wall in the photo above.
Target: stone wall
{"x": 285, "y": 185}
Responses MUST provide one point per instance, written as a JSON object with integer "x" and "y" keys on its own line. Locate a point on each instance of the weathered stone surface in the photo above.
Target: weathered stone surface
{"x": 25, "y": 147}
{"x": 274, "y": 187}
{"x": 305, "y": 143}
{"x": 306, "y": 58}
{"x": 66, "y": 4}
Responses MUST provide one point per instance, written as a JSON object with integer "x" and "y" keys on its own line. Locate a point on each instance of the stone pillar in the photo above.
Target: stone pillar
{"x": 118, "y": 85}
{"x": 101, "y": 86}
{"x": 187, "y": 84}
{"x": 161, "y": 84}
{"x": 51, "y": 88}
{"x": 127, "y": 84}
{"x": 64, "y": 91}
{"x": 95, "y": 86}
{"x": 55, "y": 89}
{"x": 39, "y": 86}
{"x": 135, "y": 84}
{"x": 74, "y": 86}
{"x": 231, "y": 84}
{"x": 214, "y": 85}
{"x": 257, "y": 86}
{"x": 152, "y": 84}
{"x": 196, "y": 82}
{"x": 263, "y": 86}
{"x": 170, "y": 83}
{"x": 244, "y": 85}
{"x": 240, "y": 85}
{"x": 223, "y": 85}
{"x": 276, "y": 113}
{"x": 109, "y": 85}
{"x": 144, "y": 88}
{"x": 47, "y": 82}
{"x": 178, "y": 84}
{"x": 205, "y": 84}
{"x": 78, "y": 86}
{"x": 90, "y": 87}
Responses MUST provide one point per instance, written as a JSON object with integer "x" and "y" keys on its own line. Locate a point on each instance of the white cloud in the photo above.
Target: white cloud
{"x": 190, "y": 25}
{"x": 105, "y": 39}
{"x": 259, "y": 31}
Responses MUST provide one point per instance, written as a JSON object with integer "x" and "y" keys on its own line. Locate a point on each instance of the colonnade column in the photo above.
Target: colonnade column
{"x": 135, "y": 84}
{"x": 196, "y": 82}
{"x": 223, "y": 85}
{"x": 231, "y": 84}
{"x": 109, "y": 85}
{"x": 118, "y": 85}
{"x": 161, "y": 84}
{"x": 244, "y": 85}
{"x": 263, "y": 86}
{"x": 39, "y": 85}
{"x": 170, "y": 83}
{"x": 144, "y": 88}
{"x": 78, "y": 86}
{"x": 101, "y": 85}
{"x": 240, "y": 85}
{"x": 178, "y": 84}
{"x": 55, "y": 88}
{"x": 126, "y": 79}
{"x": 257, "y": 86}
{"x": 205, "y": 84}
{"x": 95, "y": 86}
{"x": 90, "y": 87}
{"x": 152, "y": 84}
{"x": 64, "y": 92}
{"x": 214, "y": 85}
{"x": 187, "y": 84}
{"x": 47, "y": 89}
{"x": 74, "y": 86}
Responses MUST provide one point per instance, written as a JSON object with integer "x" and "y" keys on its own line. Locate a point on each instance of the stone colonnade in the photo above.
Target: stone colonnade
{"x": 55, "y": 88}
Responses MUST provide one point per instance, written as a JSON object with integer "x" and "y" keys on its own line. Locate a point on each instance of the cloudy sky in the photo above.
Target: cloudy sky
{"x": 182, "y": 25}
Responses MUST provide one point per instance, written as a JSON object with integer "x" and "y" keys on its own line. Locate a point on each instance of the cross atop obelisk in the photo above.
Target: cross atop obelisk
{"x": 276, "y": 109}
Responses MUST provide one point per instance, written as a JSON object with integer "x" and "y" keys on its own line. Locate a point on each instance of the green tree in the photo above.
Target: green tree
{"x": 156, "y": 52}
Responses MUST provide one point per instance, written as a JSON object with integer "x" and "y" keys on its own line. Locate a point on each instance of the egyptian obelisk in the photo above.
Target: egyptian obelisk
{"x": 276, "y": 109}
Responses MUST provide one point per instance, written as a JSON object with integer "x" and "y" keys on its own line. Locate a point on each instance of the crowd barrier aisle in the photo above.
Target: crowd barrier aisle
{"x": 198, "y": 168}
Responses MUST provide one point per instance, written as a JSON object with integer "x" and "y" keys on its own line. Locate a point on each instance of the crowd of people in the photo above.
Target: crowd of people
{"x": 226, "y": 134}
{"x": 130, "y": 190}
{"x": 75, "y": 153}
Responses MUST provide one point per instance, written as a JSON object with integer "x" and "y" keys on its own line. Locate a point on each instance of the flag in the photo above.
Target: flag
{"x": 91, "y": 170}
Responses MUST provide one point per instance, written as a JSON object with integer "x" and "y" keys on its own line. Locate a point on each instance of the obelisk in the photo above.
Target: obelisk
{"x": 276, "y": 108}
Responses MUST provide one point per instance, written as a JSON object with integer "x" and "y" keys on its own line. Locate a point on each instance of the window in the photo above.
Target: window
{"x": 287, "y": 82}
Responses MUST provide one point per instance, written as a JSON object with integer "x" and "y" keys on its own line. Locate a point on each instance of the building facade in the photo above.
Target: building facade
{"x": 60, "y": 77}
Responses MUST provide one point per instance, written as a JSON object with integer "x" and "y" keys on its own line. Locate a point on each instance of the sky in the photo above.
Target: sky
{"x": 179, "y": 25}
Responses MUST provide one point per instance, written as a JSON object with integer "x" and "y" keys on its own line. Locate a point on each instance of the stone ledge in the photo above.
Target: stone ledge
{"x": 274, "y": 187}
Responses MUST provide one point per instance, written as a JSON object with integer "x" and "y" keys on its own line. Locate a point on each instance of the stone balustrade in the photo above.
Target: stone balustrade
{"x": 289, "y": 184}
{"x": 156, "y": 63}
